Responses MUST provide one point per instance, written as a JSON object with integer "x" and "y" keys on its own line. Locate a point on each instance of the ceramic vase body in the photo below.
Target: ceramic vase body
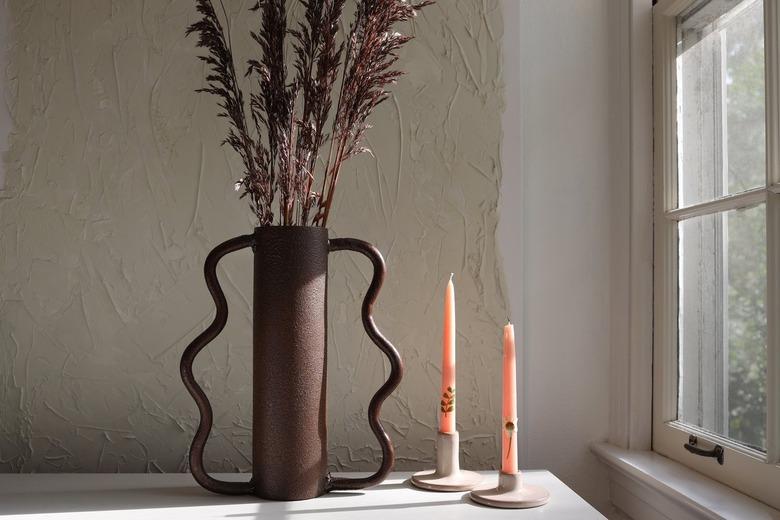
{"x": 289, "y": 364}
{"x": 289, "y": 369}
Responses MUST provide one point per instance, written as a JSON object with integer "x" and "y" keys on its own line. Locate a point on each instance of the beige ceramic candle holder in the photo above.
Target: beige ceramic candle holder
{"x": 447, "y": 476}
{"x": 511, "y": 493}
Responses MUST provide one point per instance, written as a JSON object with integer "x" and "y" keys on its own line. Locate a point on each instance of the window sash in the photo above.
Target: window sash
{"x": 772, "y": 100}
{"x": 753, "y": 472}
{"x": 741, "y": 200}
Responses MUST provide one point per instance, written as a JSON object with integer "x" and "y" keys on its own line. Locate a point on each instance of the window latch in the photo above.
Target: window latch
{"x": 716, "y": 452}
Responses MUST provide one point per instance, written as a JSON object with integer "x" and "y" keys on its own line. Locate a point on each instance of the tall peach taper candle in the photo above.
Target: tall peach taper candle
{"x": 447, "y": 404}
{"x": 509, "y": 430}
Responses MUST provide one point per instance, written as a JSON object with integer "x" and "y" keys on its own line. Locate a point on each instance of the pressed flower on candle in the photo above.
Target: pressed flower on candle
{"x": 447, "y": 404}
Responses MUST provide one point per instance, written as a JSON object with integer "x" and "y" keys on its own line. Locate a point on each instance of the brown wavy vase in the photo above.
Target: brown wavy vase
{"x": 289, "y": 438}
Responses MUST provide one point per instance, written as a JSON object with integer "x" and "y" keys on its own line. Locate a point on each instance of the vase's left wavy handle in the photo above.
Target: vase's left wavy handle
{"x": 396, "y": 365}
{"x": 213, "y": 330}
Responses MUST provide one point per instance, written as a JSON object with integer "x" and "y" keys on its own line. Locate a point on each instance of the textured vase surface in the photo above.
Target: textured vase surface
{"x": 289, "y": 368}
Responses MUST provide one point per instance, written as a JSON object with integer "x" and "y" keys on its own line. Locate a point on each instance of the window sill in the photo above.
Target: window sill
{"x": 646, "y": 485}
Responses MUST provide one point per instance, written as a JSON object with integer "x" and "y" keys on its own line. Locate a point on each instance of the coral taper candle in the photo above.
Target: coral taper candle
{"x": 509, "y": 409}
{"x": 447, "y": 404}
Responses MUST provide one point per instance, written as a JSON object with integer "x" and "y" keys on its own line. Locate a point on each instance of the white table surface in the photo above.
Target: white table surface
{"x": 177, "y": 496}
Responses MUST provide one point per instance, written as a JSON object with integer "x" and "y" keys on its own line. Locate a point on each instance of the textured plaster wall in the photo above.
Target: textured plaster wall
{"x": 119, "y": 189}
{"x": 5, "y": 116}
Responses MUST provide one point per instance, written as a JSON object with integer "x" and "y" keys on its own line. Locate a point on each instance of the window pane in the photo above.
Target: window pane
{"x": 720, "y": 97}
{"x": 722, "y": 324}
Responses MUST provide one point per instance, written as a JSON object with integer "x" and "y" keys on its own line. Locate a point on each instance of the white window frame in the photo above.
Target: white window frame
{"x": 746, "y": 470}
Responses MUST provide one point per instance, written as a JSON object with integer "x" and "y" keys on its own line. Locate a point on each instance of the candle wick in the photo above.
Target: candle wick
{"x": 451, "y": 275}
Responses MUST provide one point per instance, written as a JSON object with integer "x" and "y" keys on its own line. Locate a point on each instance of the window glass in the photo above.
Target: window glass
{"x": 722, "y": 324}
{"x": 720, "y": 100}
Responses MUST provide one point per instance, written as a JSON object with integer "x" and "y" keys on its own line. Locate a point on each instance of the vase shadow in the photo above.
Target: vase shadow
{"x": 333, "y": 510}
{"x": 127, "y": 499}
{"x": 28, "y": 502}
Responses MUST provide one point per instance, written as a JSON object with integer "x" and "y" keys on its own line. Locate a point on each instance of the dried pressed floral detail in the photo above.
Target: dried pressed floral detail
{"x": 280, "y": 143}
{"x": 509, "y": 428}
{"x": 447, "y": 404}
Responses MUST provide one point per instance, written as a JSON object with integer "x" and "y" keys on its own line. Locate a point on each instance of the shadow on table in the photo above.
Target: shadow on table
{"x": 144, "y": 498}
{"x": 333, "y": 510}
{"x": 30, "y": 502}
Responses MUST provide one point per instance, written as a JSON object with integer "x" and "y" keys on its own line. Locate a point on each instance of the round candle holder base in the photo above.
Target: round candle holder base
{"x": 511, "y": 493}
{"x": 447, "y": 476}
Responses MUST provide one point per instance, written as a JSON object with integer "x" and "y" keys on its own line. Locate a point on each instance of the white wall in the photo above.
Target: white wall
{"x": 555, "y": 228}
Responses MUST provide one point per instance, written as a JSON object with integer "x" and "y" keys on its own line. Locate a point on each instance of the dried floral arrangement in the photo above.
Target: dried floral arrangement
{"x": 289, "y": 126}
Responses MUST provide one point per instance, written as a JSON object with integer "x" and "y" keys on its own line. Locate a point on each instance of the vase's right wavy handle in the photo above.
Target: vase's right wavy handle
{"x": 396, "y": 365}
{"x": 206, "y": 414}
